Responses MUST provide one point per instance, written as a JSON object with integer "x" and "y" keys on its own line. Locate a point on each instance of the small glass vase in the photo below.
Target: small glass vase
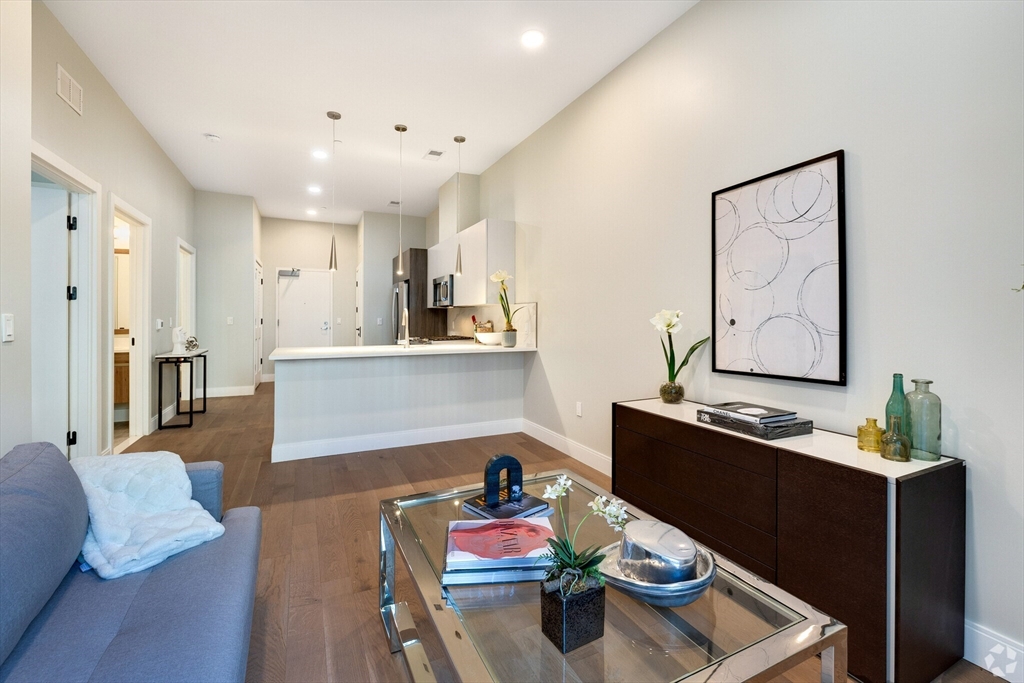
{"x": 572, "y": 620}
{"x": 925, "y": 422}
{"x": 869, "y": 436}
{"x": 895, "y": 446}
{"x": 897, "y": 406}
{"x": 671, "y": 392}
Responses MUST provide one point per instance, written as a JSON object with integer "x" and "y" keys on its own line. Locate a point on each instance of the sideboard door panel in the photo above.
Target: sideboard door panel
{"x": 832, "y": 550}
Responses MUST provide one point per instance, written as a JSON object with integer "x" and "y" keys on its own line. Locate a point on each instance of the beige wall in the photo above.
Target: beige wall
{"x": 379, "y": 246}
{"x": 225, "y": 263}
{"x": 15, "y": 219}
{"x": 432, "y": 226}
{"x": 612, "y": 201}
{"x": 307, "y": 244}
{"x": 108, "y": 144}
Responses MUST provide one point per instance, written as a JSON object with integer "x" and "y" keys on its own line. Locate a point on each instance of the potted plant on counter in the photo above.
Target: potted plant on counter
{"x": 668, "y": 322}
{"x": 508, "y": 337}
{"x": 572, "y": 593}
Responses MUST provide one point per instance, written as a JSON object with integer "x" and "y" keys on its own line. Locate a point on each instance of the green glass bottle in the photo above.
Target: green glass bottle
{"x": 897, "y": 406}
{"x": 925, "y": 422}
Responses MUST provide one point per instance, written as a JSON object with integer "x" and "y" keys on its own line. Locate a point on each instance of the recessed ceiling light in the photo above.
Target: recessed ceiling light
{"x": 314, "y": 189}
{"x": 319, "y": 154}
{"x": 211, "y": 137}
{"x": 310, "y": 212}
{"x": 533, "y": 38}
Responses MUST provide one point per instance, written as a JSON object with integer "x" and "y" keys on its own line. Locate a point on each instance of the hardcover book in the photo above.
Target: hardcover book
{"x": 505, "y": 509}
{"x": 765, "y": 430}
{"x": 499, "y": 550}
{"x": 750, "y": 412}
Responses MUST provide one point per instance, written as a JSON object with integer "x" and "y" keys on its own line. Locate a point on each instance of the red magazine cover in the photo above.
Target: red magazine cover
{"x": 498, "y": 543}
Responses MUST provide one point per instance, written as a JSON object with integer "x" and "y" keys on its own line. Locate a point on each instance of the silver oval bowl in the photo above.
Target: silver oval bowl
{"x": 660, "y": 594}
{"x": 656, "y": 552}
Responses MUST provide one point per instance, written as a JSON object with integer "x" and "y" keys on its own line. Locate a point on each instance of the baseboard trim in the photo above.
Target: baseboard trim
{"x": 409, "y": 437}
{"x": 168, "y": 413}
{"x": 585, "y": 454}
{"x": 994, "y": 652}
{"x": 223, "y": 392}
{"x": 268, "y": 378}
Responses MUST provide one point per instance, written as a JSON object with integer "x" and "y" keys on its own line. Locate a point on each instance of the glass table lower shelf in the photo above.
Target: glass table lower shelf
{"x": 742, "y": 628}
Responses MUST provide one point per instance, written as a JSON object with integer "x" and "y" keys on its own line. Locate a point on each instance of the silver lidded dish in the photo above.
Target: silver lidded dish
{"x": 656, "y": 552}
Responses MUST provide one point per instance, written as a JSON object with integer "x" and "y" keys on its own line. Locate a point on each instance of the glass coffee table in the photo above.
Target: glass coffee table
{"x": 742, "y": 628}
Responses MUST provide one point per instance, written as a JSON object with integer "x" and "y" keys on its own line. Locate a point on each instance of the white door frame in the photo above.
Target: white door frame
{"x": 140, "y": 303}
{"x": 186, "y": 389}
{"x": 257, "y": 322}
{"x": 85, "y": 385}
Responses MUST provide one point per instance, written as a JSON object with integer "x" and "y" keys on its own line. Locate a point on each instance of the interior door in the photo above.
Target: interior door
{"x": 257, "y": 359}
{"x": 49, "y": 324}
{"x": 359, "y": 305}
{"x": 303, "y": 308}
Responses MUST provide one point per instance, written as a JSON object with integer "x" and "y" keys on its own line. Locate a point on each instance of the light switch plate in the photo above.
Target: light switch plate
{"x": 159, "y": 324}
{"x": 380, "y": 321}
{"x": 231, "y": 321}
{"x": 7, "y": 327}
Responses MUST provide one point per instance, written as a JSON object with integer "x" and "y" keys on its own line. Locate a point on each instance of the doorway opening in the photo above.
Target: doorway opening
{"x": 186, "y": 281}
{"x": 130, "y": 277}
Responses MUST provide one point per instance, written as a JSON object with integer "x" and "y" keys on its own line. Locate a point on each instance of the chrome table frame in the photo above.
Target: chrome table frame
{"x": 816, "y": 634}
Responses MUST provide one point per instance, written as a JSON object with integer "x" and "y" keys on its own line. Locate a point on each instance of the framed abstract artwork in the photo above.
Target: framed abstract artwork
{"x": 779, "y": 274}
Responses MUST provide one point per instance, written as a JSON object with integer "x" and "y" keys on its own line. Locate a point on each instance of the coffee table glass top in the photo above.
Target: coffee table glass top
{"x": 640, "y": 643}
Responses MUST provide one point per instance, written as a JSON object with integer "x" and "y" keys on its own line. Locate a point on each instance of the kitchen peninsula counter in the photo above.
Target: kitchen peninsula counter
{"x": 335, "y": 400}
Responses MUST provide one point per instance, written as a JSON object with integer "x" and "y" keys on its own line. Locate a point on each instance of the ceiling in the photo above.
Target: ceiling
{"x": 262, "y": 76}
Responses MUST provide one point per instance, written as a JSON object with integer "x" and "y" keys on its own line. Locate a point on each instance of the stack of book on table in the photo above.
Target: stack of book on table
{"x": 496, "y": 551}
{"x": 763, "y": 422}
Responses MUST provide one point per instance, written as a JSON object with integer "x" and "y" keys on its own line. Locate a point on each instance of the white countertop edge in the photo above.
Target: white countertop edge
{"x": 344, "y": 352}
{"x": 824, "y": 445}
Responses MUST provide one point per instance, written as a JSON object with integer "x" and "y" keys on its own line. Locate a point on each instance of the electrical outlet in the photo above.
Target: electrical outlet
{"x": 579, "y": 408}
{"x": 339, "y": 321}
{"x": 7, "y": 322}
{"x": 380, "y": 321}
{"x": 231, "y": 321}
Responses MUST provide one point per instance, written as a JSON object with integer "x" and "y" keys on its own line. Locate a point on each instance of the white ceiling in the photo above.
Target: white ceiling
{"x": 262, "y": 75}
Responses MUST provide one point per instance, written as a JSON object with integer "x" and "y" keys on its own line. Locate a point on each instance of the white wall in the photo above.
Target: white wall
{"x": 612, "y": 200}
{"x": 461, "y": 202}
{"x": 432, "y": 226}
{"x": 224, "y": 289}
{"x": 379, "y": 246}
{"x": 109, "y": 144}
{"x": 307, "y": 244}
{"x": 15, "y": 219}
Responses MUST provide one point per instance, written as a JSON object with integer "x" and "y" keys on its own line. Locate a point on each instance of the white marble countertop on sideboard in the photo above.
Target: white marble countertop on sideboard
{"x": 838, "y": 448}
{"x": 436, "y": 349}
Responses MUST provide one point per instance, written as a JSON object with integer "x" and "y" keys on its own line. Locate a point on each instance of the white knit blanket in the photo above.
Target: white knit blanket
{"x": 140, "y": 511}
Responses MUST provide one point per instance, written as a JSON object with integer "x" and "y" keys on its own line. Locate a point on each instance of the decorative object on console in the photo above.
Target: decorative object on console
{"x": 191, "y": 344}
{"x": 178, "y": 339}
{"x": 768, "y": 431}
{"x": 668, "y": 322}
{"x": 750, "y": 412}
{"x": 508, "y": 338}
{"x": 869, "y": 436}
{"x": 779, "y": 283}
{"x": 897, "y": 406}
{"x": 895, "y": 446}
{"x": 572, "y": 594}
{"x": 925, "y": 430}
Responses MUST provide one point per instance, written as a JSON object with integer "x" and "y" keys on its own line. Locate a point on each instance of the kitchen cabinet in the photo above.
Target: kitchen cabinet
{"x": 878, "y": 545}
{"x": 487, "y": 246}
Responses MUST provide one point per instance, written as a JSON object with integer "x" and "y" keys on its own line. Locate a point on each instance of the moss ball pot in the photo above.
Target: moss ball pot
{"x": 572, "y": 621}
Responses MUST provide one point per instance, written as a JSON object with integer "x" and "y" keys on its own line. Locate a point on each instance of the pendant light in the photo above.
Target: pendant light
{"x": 458, "y": 207}
{"x": 401, "y": 129}
{"x": 333, "y": 116}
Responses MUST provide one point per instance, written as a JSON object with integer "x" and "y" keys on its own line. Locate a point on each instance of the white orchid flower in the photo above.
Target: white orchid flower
{"x": 561, "y": 485}
{"x": 500, "y": 276}
{"x": 614, "y": 512}
{"x": 667, "y": 321}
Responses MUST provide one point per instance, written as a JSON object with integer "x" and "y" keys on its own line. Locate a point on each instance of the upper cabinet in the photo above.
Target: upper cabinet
{"x": 488, "y": 246}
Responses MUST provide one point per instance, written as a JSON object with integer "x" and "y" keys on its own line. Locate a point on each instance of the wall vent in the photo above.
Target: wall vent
{"x": 69, "y": 89}
{"x": 433, "y": 155}
{"x": 393, "y": 204}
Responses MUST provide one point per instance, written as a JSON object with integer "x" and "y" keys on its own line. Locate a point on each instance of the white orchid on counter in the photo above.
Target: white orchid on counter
{"x": 500, "y": 276}
{"x": 668, "y": 322}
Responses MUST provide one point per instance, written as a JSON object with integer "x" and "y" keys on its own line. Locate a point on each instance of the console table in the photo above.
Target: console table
{"x": 879, "y": 545}
{"x": 177, "y": 360}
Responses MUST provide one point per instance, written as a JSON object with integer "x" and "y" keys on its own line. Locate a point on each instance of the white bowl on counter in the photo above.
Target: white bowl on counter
{"x": 489, "y": 338}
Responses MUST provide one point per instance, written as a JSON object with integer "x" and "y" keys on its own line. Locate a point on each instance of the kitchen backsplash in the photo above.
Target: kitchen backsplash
{"x": 460, "y": 321}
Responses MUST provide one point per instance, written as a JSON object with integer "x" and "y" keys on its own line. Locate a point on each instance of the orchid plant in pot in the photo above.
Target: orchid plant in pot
{"x": 508, "y": 337}
{"x": 668, "y": 322}
{"x": 572, "y": 593}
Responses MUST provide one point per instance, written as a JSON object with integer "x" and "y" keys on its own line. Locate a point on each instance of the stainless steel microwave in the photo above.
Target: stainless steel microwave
{"x": 444, "y": 291}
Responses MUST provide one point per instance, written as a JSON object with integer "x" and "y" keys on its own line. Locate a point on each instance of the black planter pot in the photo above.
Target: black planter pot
{"x": 574, "y": 620}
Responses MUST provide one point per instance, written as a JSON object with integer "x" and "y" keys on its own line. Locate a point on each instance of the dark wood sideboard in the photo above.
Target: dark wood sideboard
{"x": 880, "y": 546}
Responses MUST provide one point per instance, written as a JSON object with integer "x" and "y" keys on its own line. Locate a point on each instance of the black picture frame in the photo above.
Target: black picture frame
{"x": 778, "y": 274}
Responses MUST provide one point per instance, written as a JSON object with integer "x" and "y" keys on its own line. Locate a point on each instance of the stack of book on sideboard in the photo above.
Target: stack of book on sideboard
{"x": 763, "y": 422}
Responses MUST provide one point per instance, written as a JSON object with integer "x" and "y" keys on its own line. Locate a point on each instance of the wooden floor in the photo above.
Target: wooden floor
{"x": 316, "y": 616}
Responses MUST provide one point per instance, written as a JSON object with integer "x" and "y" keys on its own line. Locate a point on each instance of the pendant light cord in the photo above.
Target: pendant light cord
{"x": 334, "y": 172}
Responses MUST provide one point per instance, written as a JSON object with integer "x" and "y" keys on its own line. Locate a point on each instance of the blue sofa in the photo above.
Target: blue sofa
{"x": 185, "y": 620}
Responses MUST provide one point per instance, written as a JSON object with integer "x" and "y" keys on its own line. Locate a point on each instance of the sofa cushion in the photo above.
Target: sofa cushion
{"x": 184, "y": 620}
{"x": 43, "y": 518}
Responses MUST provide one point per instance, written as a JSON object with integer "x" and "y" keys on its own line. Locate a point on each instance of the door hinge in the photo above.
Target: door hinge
{"x": 72, "y": 438}
{"x": 261, "y": 321}
{"x": 72, "y": 293}
{"x": 72, "y": 222}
